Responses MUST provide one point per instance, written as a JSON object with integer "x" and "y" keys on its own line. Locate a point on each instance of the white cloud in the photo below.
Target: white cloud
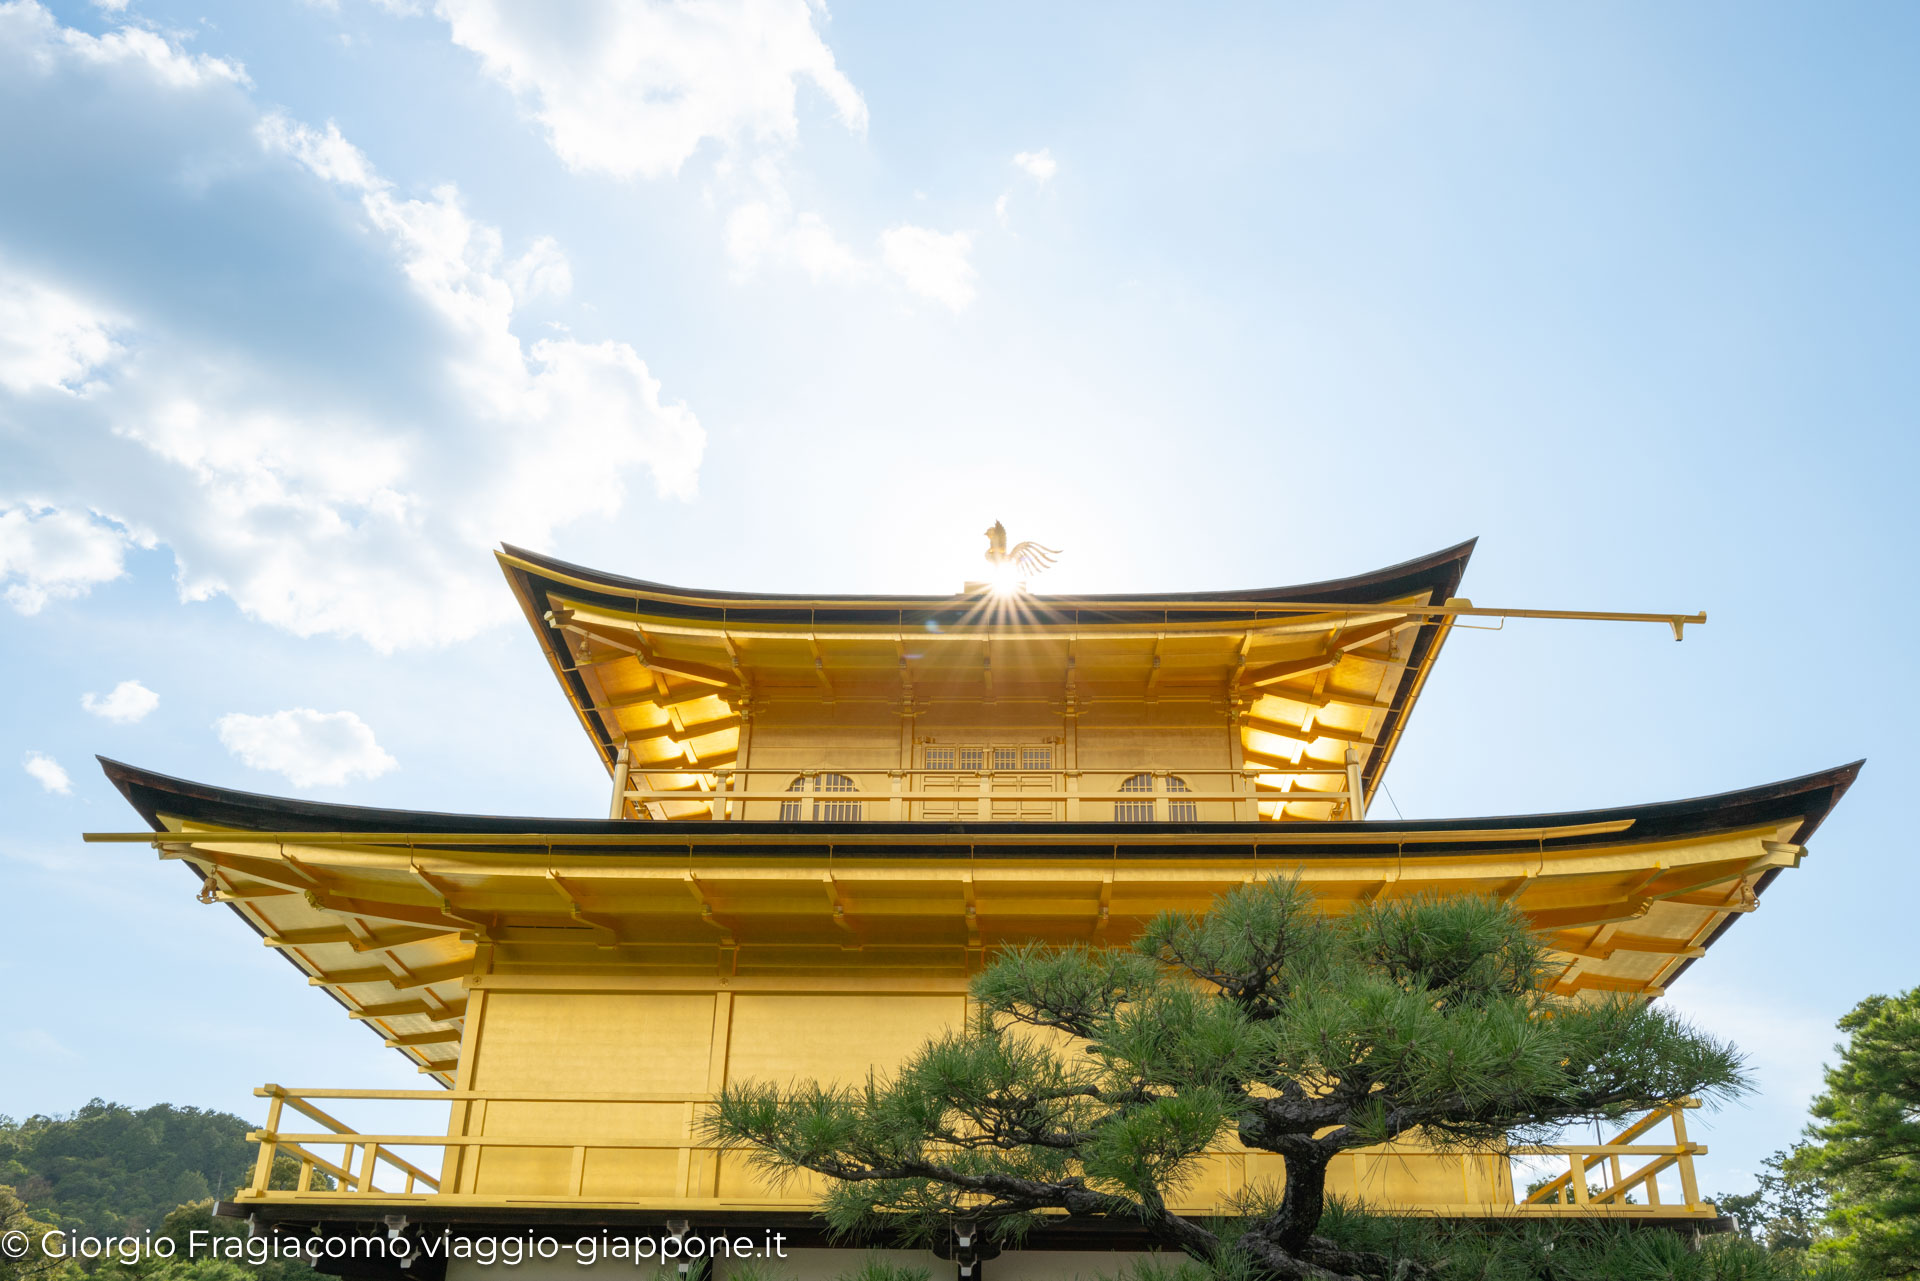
{"x": 49, "y": 340}
{"x": 130, "y": 701}
{"x": 26, "y": 26}
{"x": 634, "y": 87}
{"x": 335, "y": 457}
{"x": 931, "y": 263}
{"x": 757, "y": 234}
{"x": 47, "y": 772}
{"x": 575, "y": 397}
{"x": 50, "y": 554}
{"x": 313, "y": 749}
{"x": 763, "y": 229}
{"x": 541, "y": 272}
{"x": 1038, "y": 165}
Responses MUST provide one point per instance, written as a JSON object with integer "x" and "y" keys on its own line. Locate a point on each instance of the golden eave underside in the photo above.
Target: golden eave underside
{"x": 398, "y": 934}
{"x": 1306, "y": 688}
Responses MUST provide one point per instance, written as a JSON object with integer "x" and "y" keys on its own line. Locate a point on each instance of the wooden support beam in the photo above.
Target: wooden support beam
{"x": 685, "y": 694}
{"x": 729, "y": 934}
{"x": 368, "y": 941}
{"x": 480, "y": 925}
{"x": 382, "y": 910}
{"x": 638, "y": 647}
{"x": 1742, "y": 902}
{"x": 1619, "y": 942}
{"x": 380, "y": 974}
{"x": 1600, "y": 912}
{"x": 604, "y": 926}
{"x": 1319, "y": 699}
{"x": 679, "y": 731}
{"x": 1280, "y": 729}
{"x": 1281, "y": 765}
{"x": 1349, "y": 641}
{"x": 398, "y": 1009}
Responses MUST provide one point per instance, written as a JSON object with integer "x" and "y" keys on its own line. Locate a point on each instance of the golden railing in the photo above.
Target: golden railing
{"x": 367, "y": 1157}
{"x": 349, "y": 1174}
{"x": 1571, "y": 1189}
{"x": 1078, "y": 794}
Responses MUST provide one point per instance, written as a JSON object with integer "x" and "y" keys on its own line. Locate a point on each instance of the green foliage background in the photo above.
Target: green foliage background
{"x": 109, "y": 1171}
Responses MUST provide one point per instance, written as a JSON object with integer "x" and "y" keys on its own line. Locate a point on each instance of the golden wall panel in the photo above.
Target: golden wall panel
{"x": 833, "y": 1039}
{"x": 599, "y": 1042}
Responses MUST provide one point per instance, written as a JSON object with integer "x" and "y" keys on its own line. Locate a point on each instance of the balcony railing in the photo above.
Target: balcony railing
{"x": 1572, "y": 1189}
{"x": 371, "y": 1167}
{"x": 985, "y": 793}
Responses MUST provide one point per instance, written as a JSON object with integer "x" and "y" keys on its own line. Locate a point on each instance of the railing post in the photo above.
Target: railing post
{"x": 1578, "y": 1180}
{"x": 269, "y": 1142}
{"x": 617, "y": 808}
{"x": 577, "y": 1177}
{"x": 367, "y": 1159}
{"x": 1689, "y": 1189}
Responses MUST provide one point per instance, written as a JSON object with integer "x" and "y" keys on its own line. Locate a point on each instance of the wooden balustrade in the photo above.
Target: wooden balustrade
{"x": 367, "y": 1156}
{"x": 1571, "y": 1188}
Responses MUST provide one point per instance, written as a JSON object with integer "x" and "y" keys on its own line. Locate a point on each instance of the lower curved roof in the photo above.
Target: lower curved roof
{"x": 1803, "y": 802}
{"x": 394, "y": 912}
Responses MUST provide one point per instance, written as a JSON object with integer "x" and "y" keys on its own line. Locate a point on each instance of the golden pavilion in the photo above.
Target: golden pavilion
{"x": 826, "y": 813}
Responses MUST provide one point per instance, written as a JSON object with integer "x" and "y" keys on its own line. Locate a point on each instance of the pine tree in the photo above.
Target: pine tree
{"x": 1093, "y": 1081}
{"x": 1863, "y": 1147}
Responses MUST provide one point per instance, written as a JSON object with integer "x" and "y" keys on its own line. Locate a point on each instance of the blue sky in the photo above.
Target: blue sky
{"x": 304, "y": 306}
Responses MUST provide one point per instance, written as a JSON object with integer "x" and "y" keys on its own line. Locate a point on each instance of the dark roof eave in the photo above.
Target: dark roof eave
{"x": 1440, "y": 568}
{"x": 1808, "y": 798}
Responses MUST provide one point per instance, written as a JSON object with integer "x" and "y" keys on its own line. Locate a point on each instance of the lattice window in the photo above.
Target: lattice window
{"x": 1036, "y": 758}
{"x": 972, "y": 758}
{"x": 790, "y": 810}
{"x": 1181, "y": 811}
{"x": 836, "y": 811}
{"x": 1135, "y": 811}
{"x": 823, "y": 811}
{"x": 939, "y": 758}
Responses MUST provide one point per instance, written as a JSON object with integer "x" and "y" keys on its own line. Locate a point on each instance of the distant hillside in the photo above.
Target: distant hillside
{"x": 110, "y": 1170}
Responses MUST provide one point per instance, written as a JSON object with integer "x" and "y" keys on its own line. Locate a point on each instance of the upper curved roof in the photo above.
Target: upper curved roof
{"x": 664, "y": 672}
{"x": 1438, "y": 572}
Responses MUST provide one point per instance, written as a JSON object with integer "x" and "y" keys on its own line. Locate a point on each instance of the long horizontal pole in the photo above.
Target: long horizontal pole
{"x": 1012, "y": 616}
{"x": 725, "y": 834}
{"x": 1455, "y": 607}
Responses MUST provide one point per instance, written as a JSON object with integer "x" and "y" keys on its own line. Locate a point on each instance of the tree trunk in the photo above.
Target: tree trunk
{"x": 1293, "y": 1224}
